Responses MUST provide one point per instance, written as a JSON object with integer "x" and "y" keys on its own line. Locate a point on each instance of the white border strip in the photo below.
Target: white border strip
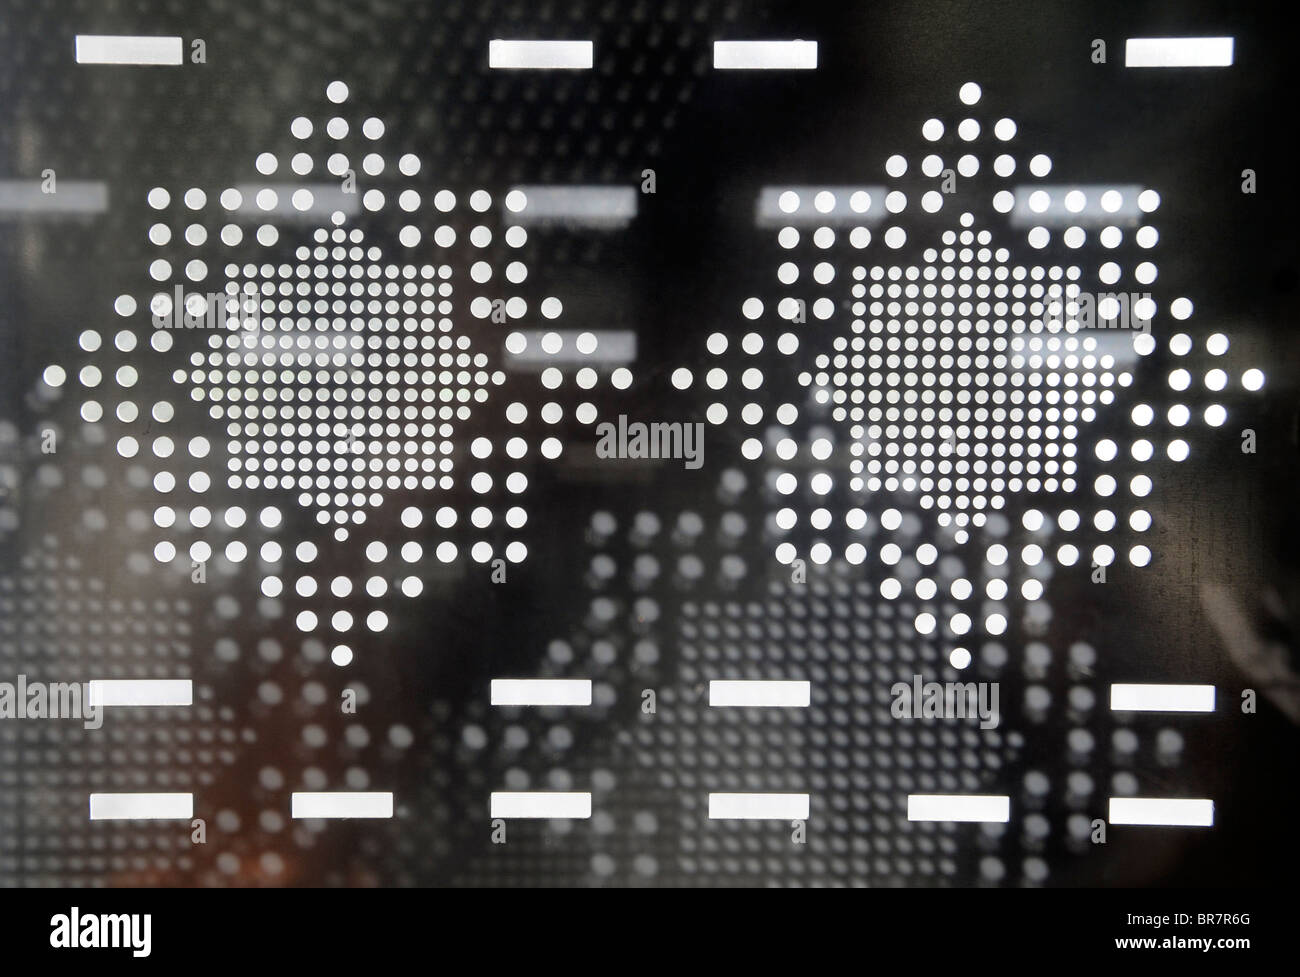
{"x": 764, "y": 55}
{"x": 541, "y": 692}
{"x": 758, "y": 807}
{"x": 127, "y": 49}
{"x": 544, "y": 55}
{"x": 341, "y": 804}
{"x": 1161, "y": 698}
{"x": 540, "y": 804}
{"x": 131, "y": 807}
{"x": 1183, "y": 812}
{"x": 1178, "y": 52}
{"x": 759, "y": 692}
{"x": 959, "y": 807}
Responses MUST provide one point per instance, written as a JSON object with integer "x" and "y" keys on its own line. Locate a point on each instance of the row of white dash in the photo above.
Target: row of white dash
{"x": 1188, "y": 812}
{"x": 752, "y": 693}
{"x": 722, "y": 806}
{"x": 1139, "y": 52}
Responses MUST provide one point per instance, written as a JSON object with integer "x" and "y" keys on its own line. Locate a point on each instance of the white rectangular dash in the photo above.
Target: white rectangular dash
{"x": 65, "y": 198}
{"x": 613, "y": 347}
{"x": 570, "y": 205}
{"x": 127, "y": 49}
{"x": 1161, "y": 698}
{"x": 758, "y": 807}
{"x": 546, "y": 55}
{"x": 781, "y": 206}
{"x": 1178, "y": 52}
{"x": 1185, "y": 812}
{"x": 540, "y": 804}
{"x": 959, "y": 807}
{"x": 153, "y": 807}
{"x": 294, "y": 201}
{"x": 755, "y": 692}
{"x": 1081, "y": 204}
{"x": 341, "y": 804}
{"x": 142, "y": 692}
{"x": 762, "y": 55}
{"x": 541, "y": 692}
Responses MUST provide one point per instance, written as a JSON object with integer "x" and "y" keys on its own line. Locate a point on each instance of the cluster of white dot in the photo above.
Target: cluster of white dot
{"x": 340, "y": 377}
{"x": 965, "y": 379}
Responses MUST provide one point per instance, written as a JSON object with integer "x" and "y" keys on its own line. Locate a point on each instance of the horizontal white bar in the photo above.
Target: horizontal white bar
{"x": 764, "y": 54}
{"x": 1162, "y": 698}
{"x": 613, "y": 347}
{"x": 783, "y": 205}
{"x": 752, "y": 807}
{"x": 142, "y": 692}
{"x": 576, "y": 205}
{"x": 1172, "y": 811}
{"x": 540, "y": 54}
{"x": 341, "y": 804}
{"x": 69, "y": 197}
{"x": 1091, "y": 214}
{"x": 541, "y": 692}
{"x": 744, "y": 692}
{"x": 1178, "y": 52}
{"x": 154, "y": 807}
{"x": 326, "y": 198}
{"x": 540, "y": 804}
{"x": 959, "y": 807}
{"x": 127, "y": 49}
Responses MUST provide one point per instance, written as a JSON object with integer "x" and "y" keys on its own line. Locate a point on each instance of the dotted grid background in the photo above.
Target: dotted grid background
{"x": 894, "y": 387}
